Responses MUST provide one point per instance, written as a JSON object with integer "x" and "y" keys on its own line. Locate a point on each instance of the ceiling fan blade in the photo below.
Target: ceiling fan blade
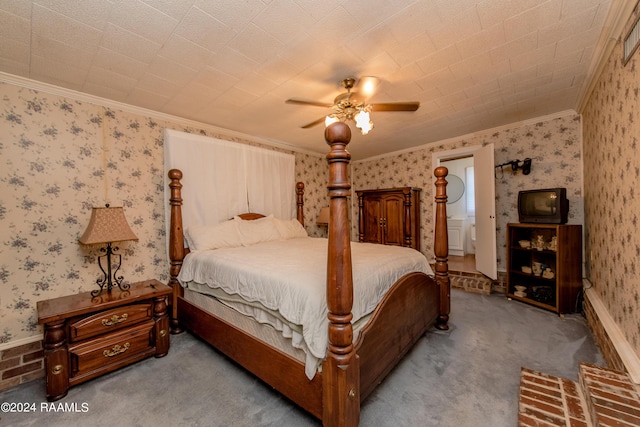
{"x": 305, "y": 102}
{"x": 313, "y": 123}
{"x": 395, "y": 106}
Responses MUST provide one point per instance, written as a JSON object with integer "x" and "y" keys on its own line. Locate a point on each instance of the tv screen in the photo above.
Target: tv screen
{"x": 547, "y": 206}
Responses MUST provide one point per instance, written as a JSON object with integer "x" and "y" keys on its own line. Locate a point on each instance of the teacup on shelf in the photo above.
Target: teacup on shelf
{"x": 526, "y": 269}
{"x": 526, "y": 244}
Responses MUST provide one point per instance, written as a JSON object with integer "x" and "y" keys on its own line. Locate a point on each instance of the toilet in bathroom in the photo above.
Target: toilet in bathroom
{"x": 472, "y": 238}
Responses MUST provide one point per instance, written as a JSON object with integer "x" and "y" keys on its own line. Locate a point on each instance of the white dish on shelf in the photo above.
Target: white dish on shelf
{"x": 520, "y": 294}
{"x": 520, "y": 288}
{"x": 526, "y": 269}
{"x": 524, "y": 244}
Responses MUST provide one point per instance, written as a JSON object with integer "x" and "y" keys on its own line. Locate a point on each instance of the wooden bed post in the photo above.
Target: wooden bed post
{"x": 300, "y": 202}
{"x": 176, "y": 245}
{"x": 441, "y": 248}
{"x": 340, "y": 370}
{"x": 407, "y": 220}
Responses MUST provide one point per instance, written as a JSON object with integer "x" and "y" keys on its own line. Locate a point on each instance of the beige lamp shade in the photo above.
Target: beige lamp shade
{"x": 107, "y": 225}
{"x": 323, "y": 218}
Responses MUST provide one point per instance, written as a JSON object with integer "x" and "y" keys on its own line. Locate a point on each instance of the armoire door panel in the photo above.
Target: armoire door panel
{"x": 393, "y": 220}
{"x": 373, "y": 221}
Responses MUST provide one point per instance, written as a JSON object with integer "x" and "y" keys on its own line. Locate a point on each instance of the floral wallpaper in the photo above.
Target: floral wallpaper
{"x": 612, "y": 199}
{"x": 553, "y": 144}
{"x": 60, "y": 157}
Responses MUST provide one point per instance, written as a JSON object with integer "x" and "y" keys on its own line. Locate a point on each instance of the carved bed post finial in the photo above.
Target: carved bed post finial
{"x": 300, "y": 202}
{"x": 441, "y": 248}
{"x": 340, "y": 371}
{"x": 176, "y": 245}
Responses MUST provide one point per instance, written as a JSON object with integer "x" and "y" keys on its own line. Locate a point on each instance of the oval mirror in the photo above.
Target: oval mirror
{"x": 455, "y": 188}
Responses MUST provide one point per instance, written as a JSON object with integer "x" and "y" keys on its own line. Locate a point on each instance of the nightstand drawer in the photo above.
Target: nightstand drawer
{"x": 112, "y": 351}
{"x": 110, "y": 320}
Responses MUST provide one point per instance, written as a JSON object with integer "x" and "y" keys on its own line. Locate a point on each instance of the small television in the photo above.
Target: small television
{"x": 545, "y": 206}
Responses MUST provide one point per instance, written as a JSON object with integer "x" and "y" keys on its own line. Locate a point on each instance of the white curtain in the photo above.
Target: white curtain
{"x": 270, "y": 186}
{"x": 222, "y": 179}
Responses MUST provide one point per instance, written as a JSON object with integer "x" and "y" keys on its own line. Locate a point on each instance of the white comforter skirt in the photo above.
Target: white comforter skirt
{"x": 288, "y": 278}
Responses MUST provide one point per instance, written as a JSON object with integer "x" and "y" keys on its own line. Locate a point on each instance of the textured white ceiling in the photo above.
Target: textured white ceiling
{"x": 472, "y": 64}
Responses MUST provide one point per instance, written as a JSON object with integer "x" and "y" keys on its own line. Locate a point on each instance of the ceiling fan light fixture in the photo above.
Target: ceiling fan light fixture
{"x": 363, "y": 122}
{"x": 353, "y": 106}
{"x": 330, "y": 119}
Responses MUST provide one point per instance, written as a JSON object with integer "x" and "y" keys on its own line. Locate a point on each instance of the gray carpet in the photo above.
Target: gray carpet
{"x": 468, "y": 376}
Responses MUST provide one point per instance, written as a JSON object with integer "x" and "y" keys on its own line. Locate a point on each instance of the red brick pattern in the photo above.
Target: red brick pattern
{"x": 546, "y": 400}
{"x": 21, "y": 364}
{"x": 470, "y": 282}
{"x": 614, "y": 399}
{"x": 603, "y": 398}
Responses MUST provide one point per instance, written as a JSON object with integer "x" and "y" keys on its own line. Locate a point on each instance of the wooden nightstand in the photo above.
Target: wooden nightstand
{"x": 87, "y": 336}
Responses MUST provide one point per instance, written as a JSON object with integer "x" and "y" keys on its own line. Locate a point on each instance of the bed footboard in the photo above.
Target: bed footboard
{"x": 407, "y": 311}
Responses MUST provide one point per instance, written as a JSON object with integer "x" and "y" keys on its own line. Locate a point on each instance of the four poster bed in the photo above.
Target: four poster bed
{"x": 360, "y": 342}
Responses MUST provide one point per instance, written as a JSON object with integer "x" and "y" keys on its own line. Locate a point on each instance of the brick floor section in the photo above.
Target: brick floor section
{"x": 546, "y": 400}
{"x": 470, "y": 282}
{"x": 614, "y": 399}
{"x": 602, "y": 398}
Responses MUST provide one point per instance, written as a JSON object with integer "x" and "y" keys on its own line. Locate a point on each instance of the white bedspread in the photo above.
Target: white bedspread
{"x": 289, "y": 276}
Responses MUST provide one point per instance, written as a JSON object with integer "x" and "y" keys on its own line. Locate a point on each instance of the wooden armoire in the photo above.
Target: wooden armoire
{"x": 390, "y": 216}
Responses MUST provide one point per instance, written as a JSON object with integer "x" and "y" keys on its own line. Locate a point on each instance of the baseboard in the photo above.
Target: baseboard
{"x": 617, "y": 342}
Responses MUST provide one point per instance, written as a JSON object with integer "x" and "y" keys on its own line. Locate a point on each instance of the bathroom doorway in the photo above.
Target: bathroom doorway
{"x": 471, "y": 213}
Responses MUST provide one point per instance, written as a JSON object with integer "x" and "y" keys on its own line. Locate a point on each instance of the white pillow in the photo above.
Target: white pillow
{"x": 257, "y": 230}
{"x": 223, "y": 235}
{"x": 290, "y": 228}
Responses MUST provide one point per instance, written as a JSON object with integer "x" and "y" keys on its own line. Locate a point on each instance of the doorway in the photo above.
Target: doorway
{"x": 461, "y": 217}
{"x": 480, "y": 158}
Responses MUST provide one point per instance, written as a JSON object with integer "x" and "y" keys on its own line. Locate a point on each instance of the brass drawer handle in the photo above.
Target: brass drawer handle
{"x": 57, "y": 370}
{"x": 115, "y": 319}
{"x": 116, "y": 350}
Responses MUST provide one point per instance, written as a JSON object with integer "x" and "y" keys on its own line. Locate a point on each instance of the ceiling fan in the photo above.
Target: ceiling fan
{"x": 352, "y": 105}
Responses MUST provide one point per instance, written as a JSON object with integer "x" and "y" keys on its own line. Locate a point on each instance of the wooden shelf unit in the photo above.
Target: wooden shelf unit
{"x": 557, "y": 292}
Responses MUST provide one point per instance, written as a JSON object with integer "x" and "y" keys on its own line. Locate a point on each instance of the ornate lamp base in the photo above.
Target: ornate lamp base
{"x": 110, "y": 279}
